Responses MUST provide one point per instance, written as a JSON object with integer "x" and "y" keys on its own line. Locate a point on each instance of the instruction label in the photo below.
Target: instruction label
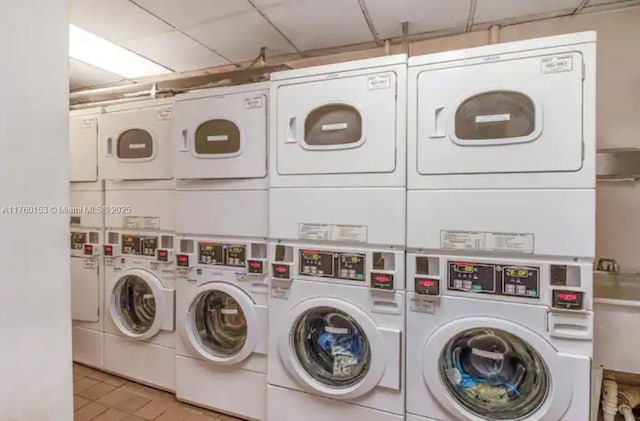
{"x": 379, "y": 82}
{"x": 90, "y": 264}
{"x": 164, "y": 115}
{"x": 333, "y": 232}
{"x": 556, "y": 64}
{"x": 141, "y": 222}
{"x": 487, "y": 241}
{"x": 255, "y": 102}
{"x": 89, "y": 123}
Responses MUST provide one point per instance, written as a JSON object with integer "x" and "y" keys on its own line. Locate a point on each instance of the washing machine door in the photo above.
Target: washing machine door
{"x": 522, "y": 114}
{"x": 492, "y": 369}
{"x": 343, "y": 125}
{"x": 222, "y": 324}
{"x": 223, "y": 136}
{"x": 332, "y": 348}
{"x": 136, "y": 144}
{"x": 140, "y": 306}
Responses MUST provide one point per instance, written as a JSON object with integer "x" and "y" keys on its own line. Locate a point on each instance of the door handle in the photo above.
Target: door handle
{"x": 437, "y": 129}
{"x": 292, "y": 131}
{"x": 184, "y": 147}
{"x": 109, "y": 146}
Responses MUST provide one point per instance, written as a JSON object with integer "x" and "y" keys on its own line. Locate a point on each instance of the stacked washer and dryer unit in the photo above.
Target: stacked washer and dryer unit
{"x": 337, "y": 234}
{"x": 500, "y": 235}
{"x": 135, "y": 152}
{"x": 220, "y": 161}
{"x": 86, "y": 236}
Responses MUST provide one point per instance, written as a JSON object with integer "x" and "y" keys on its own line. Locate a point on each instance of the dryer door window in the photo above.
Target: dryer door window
{"x": 220, "y": 324}
{"x": 331, "y": 347}
{"x": 217, "y": 138}
{"x": 135, "y": 144}
{"x": 333, "y": 125}
{"x": 494, "y": 374}
{"x": 135, "y": 304}
{"x": 495, "y": 115}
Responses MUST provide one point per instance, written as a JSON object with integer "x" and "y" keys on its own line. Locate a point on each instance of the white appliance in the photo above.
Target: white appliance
{"x": 501, "y": 141}
{"x": 87, "y": 229}
{"x": 498, "y": 339}
{"x": 140, "y": 301}
{"x": 221, "y": 317}
{"x": 336, "y": 347}
{"x": 337, "y": 155}
{"x": 135, "y": 141}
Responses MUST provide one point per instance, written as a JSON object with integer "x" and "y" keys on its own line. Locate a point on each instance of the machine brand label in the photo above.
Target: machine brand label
{"x": 220, "y": 138}
{"x": 334, "y": 126}
{"x": 88, "y": 123}
{"x": 422, "y": 306}
{"x": 279, "y": 292}
{"x": 141, "y": 222}
{"x": 556, "y": 64}
{"x": 164, "y": 115}
{"x": 90, "y": 264}
{"x": 255, "y": 102}
{"x": 333, "y": 232}
{"x": 492, "y": 118}
{"x": 487, "y": 241}
{"x": 379, "y": 82}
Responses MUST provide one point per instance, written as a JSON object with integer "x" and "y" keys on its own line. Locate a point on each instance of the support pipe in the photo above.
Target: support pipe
{"x": 609, "y": 399}
{"x": 494, "y": 34}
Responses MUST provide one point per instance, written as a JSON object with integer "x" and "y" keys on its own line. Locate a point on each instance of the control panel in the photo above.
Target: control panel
{"x": 222, "y": 254}
{"x": 328, "y": 264}
{"x": 139, "y": 245}
{"x": 78, "y": 240}
{"x": 493, "y": 278}
{"x": 567, "y": 299}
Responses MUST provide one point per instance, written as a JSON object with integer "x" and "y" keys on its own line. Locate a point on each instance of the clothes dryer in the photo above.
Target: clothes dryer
{"x": 337, "y": 147}
{"x": 221, "y": 315}
{"x": 86, "y": 236}
{"x": 336, "y": 338}
{"x": 135, "y": 141}
{"x": 498, "y": 339}
{"x": 501, "y": 145}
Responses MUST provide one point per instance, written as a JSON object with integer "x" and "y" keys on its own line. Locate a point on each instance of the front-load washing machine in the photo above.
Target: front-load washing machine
{"x": 135, "y": 141}
{"x": 337, "y": 154}
{"x": 87, "y": 229}
{"x": 140, "y": 299}
{"x": 336, "y": 346}
{"x": 501, "y": 146}
{"x": 498, "y": 339}
{"x": 221, "y": 317}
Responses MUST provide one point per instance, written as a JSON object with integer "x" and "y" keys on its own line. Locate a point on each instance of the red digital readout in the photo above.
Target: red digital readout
{"x": 88, "y": 249}
{"x": 382, "y": 278}
{"x": 281, "y": 269}
{"x": 255, "y": 265}
{"x": 183, "y": 259}
{"x": 429, "y": 283}
{"x": 163, "y": 253}
{"x": 565, "y": 296}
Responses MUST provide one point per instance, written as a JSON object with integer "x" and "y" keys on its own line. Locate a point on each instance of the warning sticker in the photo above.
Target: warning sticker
{"x": 487, "y": 241}
{"x": 333, "y": 232}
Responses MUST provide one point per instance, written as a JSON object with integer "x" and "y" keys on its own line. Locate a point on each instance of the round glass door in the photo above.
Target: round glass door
{"x": 494, "y": 374}
{"x": 135, "y": 304}
{"x": 220, "y": 326}
{"x": 331, "y": 347}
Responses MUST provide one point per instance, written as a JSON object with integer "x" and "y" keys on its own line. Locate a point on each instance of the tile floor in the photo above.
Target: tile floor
{"x": 102, "y": 397}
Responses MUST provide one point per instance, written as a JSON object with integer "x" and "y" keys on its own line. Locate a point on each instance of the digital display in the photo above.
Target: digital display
{"x": 427, "y": 283}
{"x": 149, "y": 246}
{"x": 108, "y": 250}
{"x": 317, "y": 263}
{"x": 183, "y": 260}
{"x": 570, "y": 300}
{"x": 211, "y": 254}
{"x": 518, "y": 273}
{"x": 382, "y": 281}
{"x": 464, "y": 268}
{"x": 427, "y": 286}
{"x": 163, "y": 255}
{"x": 236, "y": 256}
{"x": 351, "y": 266}
{"x": 382, "y": 278}
{"x": 88, "y": 249}
{"x": 256, "y": 266}
{"x": 130, "y": 244}
{"x": 568, "y": 297}
{"x": 281, "y": 271}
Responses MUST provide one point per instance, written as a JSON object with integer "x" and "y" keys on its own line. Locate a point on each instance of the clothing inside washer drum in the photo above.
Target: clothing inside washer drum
{"x": 220, "y": 323}
{"x": 494, "y": 374}
{"x": 135, "y": 303}
{"x": 331, "y": 347}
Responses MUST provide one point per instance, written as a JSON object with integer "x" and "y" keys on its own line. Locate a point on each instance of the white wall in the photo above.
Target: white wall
{"x": 35, "y": 319}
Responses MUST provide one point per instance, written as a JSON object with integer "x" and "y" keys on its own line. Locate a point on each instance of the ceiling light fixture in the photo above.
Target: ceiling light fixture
{"x": 98, "y": 52}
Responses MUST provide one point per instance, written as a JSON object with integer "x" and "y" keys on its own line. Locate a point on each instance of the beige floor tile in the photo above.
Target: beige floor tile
{"x": 155, "y": 408}
{"x": 77, "y": 377}
{"x": 79, "y": 402}
{"x": 203, "y": 417}
{"x": 89, "y": 412}
{"x": 84, "y": 384}
{"x": 156, "y": 394}
{"x": 125, "y": 400}
{"x": 114, "y": 380}
{"x": 97, "y": 391}
{"x": 115, "y": 415}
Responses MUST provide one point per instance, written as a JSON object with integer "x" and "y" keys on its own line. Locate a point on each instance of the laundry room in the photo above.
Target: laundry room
{"x": 284, "y": 210}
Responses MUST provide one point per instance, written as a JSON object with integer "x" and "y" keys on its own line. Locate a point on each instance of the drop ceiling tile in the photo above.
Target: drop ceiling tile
{"x": 313, "y": 24}
{"x": 82, "y": 75}
{"x": 422, "y": 15}
{"x": 495, "y": 10}
{"x": 184, "y": 13}
{"x": 239, "y": 37}
{"x": 175, "y": 51}
{"x": 115, "y": 20}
